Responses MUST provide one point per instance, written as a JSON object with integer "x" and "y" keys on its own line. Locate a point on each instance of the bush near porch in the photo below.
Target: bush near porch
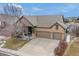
{"x": 14, "y": 43}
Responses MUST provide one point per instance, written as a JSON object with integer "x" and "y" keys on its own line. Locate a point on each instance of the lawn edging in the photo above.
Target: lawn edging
{"x": 14, "y": 43}
{"x": 65, "y": 53}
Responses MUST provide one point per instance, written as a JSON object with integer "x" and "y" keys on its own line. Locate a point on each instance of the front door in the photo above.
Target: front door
{"x": 30, "y": 31}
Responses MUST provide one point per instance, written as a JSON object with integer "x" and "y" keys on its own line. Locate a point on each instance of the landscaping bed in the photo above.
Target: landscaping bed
{"x": 60, "y": 49}
{"x": 14, "y": 43}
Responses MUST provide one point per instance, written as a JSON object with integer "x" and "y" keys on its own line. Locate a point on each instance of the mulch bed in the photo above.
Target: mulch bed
{"x": 59, "y": 51}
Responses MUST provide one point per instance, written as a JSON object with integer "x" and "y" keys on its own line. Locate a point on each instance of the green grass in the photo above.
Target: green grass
{"x": 74, "y": 49}
{"x": 13, "y": 43}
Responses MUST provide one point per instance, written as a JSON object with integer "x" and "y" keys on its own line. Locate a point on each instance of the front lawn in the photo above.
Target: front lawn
{"x": 74, "y": 49}
{"x": 13, "y": 43}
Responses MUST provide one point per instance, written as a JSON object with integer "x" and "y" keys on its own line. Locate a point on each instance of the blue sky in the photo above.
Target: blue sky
{"x": 65, "y": 9}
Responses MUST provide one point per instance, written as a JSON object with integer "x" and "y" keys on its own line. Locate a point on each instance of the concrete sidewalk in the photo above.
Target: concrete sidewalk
{"x": 39, "y": 47}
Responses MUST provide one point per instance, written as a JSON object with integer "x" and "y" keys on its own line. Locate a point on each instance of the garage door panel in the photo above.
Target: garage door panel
{"x": 43, "y": 34}
{"x": 57, "y": 36}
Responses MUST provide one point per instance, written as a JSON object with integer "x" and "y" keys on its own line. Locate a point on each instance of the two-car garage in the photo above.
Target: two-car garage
{"x": 53, "y": 35}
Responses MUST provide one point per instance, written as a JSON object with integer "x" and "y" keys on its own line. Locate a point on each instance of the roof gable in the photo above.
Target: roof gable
{"x": 62, "y": 25}
{"x": 24, "y": 21}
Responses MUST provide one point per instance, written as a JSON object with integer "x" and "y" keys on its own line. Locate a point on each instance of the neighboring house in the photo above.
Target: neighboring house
{"x": 49, "y": 26}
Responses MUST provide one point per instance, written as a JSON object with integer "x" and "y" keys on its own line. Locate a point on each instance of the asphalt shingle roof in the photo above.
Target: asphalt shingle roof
{"x": 46, "y": 20}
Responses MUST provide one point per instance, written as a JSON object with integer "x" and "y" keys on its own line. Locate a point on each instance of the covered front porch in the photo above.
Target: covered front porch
{"x": 28, "y": 32}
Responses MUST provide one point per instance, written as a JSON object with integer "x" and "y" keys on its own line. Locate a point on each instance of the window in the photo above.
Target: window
{"x": 56, "y": 26}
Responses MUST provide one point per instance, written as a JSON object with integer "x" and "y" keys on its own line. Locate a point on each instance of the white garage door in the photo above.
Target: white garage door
{"x": 43, "y": 34}
{"x": 57, "y": 36}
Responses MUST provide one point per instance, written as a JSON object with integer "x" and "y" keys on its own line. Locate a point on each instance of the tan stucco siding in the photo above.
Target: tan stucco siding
{"x": 60, "y": 29}
{"x": 53, "y": 29}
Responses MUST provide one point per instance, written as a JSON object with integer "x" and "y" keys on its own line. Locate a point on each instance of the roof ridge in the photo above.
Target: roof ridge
{"x": 45, "y": 15}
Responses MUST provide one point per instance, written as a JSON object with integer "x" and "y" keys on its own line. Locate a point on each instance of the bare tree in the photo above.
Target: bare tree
{"x": 77, "y": 32}
{"x": 74, "y": 29}
{"x": 13, "y": 9}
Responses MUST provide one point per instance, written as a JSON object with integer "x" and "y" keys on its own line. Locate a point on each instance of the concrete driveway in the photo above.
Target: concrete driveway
{"x": 39, "y": 47}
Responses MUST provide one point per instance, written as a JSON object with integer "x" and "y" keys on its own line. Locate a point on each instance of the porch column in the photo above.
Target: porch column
{"x": 34, "y": 34}
{"x": 51, "y": 35}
